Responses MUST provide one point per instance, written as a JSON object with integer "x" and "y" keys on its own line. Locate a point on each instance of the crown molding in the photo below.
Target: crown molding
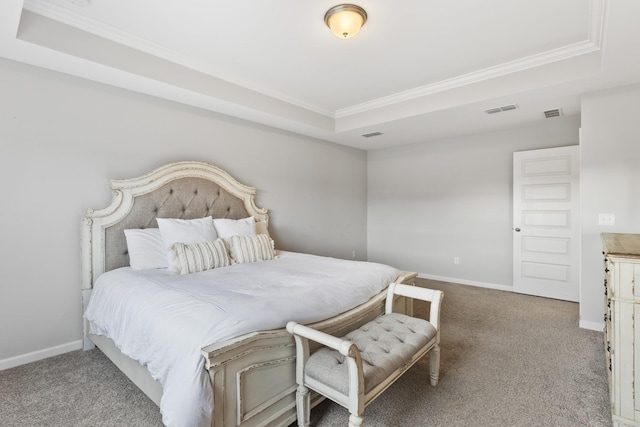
{"x": 597, "y": 15}
{"x": 511, "y": 67}
{"x": 598, "y": 18}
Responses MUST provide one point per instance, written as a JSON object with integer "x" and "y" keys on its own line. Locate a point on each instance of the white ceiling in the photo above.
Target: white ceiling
{"x": 419, "y": 70}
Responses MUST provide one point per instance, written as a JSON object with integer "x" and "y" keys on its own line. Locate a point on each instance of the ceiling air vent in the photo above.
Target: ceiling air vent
{"x": 552, "y": 113}
{"x": 501, "y": 109}
{"x": 371, "y": 134}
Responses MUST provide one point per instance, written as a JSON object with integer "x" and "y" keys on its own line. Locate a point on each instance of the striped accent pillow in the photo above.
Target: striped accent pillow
{"x": 186, "y": 258}
{"x": 258, "y": 247}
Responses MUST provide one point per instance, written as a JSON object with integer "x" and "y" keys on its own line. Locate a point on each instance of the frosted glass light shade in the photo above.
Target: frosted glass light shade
{"x": 345, "y": 20}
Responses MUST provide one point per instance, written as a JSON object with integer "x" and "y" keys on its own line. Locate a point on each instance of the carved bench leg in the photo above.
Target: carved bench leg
{"x": 434, "y": 364}
{"x": 303, "y": 406}
{"x": 355, "y": 421}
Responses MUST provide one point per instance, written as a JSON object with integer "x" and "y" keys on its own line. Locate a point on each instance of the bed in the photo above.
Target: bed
{"x": 249, "y": 373}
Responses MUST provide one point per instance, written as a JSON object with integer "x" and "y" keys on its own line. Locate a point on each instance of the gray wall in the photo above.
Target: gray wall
{"x": 431, "y": 202}
{"x": 610, "y": 183}
{"x": 63, "y": 138}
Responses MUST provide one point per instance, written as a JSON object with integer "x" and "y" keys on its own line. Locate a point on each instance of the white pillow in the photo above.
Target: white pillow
{"x": 146, "y": 249}
{"x": 175, "y": 230}
{"x": 195, "y": 257}
{"x": 258, "y": 247}
{"x": 235, "y": 227}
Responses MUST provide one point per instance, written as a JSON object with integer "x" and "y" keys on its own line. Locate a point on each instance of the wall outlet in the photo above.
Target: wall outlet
{"x": 606, "y": 219}
{"x": 353, "y": 254}
{"x": 456, "y": 260}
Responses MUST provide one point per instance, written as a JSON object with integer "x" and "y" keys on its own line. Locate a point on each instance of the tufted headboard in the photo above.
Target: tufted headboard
{"x": 184, "y": 190}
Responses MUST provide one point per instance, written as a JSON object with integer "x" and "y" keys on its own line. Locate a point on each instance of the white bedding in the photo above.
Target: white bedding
{"x": 163, "y": 320}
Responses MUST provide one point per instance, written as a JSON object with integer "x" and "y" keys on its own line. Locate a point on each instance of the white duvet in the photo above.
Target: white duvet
{"x": 163, "y": 320}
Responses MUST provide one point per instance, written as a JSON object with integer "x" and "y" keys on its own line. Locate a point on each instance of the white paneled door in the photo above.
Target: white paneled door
{"x": 546, "y": 233}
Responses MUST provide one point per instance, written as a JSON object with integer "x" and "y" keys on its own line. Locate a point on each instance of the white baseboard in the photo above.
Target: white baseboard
{"x": 34, "y": 356}
{"x": 594, "y": 326}
{"x": 466, "y": 282}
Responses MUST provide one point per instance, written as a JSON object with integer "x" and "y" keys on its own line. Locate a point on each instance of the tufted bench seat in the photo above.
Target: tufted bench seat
{"x": 355, "y": 369}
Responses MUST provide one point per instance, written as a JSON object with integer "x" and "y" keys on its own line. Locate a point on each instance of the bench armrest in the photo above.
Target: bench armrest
{"x": 302, "y": 334}
{"x": 430, "y": 295}
{"x": 339, "y": 344}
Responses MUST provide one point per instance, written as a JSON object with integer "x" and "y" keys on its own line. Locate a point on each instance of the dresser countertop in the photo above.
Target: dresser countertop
{"x": 621, "y": 244}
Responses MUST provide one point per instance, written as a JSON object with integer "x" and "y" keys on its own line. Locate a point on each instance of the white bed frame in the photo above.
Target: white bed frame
{"x": 252, "y": 376}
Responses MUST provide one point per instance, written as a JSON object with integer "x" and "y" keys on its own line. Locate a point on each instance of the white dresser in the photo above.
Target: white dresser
{"x": 622, "y": 325}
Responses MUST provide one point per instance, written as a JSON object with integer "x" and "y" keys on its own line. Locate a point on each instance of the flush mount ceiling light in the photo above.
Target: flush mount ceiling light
{"x": 345, "y": 20}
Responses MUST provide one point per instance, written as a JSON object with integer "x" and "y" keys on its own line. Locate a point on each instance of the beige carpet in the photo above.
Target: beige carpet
{"x": 507, "y": 360}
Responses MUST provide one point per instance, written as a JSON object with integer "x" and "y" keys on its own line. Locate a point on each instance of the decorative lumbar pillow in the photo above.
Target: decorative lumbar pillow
{"x": 195, "y": 257}
{"x": 226, "y": 228}
{"x": 146, "y": 249}
{"x": 258, "y": 247}
{"x": 197, "y": 230}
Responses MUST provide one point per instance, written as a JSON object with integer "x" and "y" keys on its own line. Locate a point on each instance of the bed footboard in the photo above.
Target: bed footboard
{"x": 253, "y": 376}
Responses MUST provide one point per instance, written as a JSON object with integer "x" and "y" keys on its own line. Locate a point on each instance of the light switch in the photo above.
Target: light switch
{"x": 606, "y": 219}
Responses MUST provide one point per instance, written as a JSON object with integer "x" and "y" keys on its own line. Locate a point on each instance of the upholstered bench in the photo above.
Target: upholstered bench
{"x": 355, "y": 369}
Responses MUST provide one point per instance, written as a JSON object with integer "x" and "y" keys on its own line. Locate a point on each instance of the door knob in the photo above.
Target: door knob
{"x": 517, "y": 229}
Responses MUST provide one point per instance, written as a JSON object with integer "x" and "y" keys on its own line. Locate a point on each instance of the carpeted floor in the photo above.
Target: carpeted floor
{"x": 507, "y": 360}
